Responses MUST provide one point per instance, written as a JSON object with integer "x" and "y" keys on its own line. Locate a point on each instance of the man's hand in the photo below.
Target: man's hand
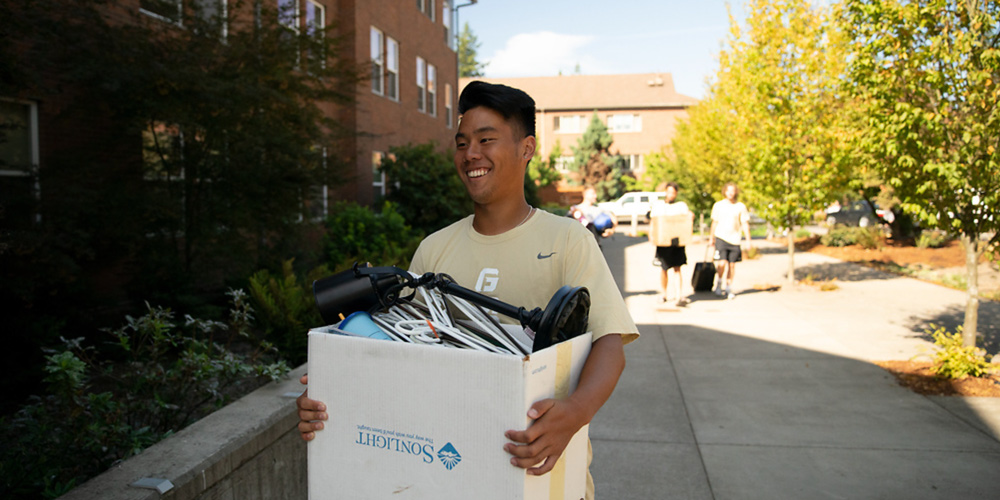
{"x": 556, "y": 421}
{"x": 312, "y": 413}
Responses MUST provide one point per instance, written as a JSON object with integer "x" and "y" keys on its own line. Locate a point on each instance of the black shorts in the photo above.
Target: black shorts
{"x": 727, "y": 251}
{"x": 671, "y": 257}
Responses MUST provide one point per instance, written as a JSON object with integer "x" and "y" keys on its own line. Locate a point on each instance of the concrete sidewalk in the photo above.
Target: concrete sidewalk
{"x": 772, "y": 395}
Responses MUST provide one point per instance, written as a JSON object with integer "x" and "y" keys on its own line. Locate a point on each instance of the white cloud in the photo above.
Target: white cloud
{"x": 542, "y": 54}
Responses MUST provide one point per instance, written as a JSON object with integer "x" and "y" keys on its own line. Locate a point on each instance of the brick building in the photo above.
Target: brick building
{"x": 640, "y": 110}
{"x": 408, "y": 97}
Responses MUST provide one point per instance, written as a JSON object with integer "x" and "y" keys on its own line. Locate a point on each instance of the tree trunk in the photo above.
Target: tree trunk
{"x": 791, "y": 253}
{"x": 970, "y": 329}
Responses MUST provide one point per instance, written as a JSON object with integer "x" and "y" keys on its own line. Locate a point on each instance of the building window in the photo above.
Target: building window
{"x": 431, "y": 90}
{"x": 446, "y": 20}
{"x": 392, "y": 69}
{"x": 315, "y": 23}
{"x": 568, "y": 124}
{"x": 448, "y": 106}
{"x": 169, "y": 10}
{"x": 633, "y": 162}
{"x": 421, "y": 84}
{"x": 288, "y": 14}
{"x": 625, "y": 123}
{"x": 19, "y": 188}
{"x": 378, "y": 63}
{"x": 563, "y": 163}
{"x": 427, "y": 7}
{"x": 378, "y": 177}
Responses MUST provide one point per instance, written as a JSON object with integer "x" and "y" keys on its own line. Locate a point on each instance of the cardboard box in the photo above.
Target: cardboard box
{"x": 671, "y": 230}
{"x": 412, "y": 421}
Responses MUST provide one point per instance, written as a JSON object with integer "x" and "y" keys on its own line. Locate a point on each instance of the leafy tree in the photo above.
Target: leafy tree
{"x": 468, "y": 54}
{"x": 777, "y": 87}
{"x": 928, "y": 76}
{"x": 203, "y": 155}
{"x": 427, "y": 192}
{"x": 541, "y": 173}
{"x": 696, "y": 191}
{"x": 594, "y": 162}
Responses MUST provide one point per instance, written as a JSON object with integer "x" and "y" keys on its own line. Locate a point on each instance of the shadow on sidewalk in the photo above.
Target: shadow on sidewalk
{"x": 953, "y": 317}
{"x": 701, "y": 413}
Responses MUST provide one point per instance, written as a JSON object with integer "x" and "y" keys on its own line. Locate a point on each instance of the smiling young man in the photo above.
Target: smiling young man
{"x": 509, "y": 250}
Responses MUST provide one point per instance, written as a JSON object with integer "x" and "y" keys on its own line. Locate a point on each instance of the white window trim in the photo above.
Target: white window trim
{"x": 296, "y": 15}
{"x": 421, "y": 84}
{"x": 448, "y": 106}
{"x": 432, "y": 94}
{"x": 381, "y": 58}
{"x": 166, "y": 19}
{"x": 378, "y": 178}
{"x": 34, "y": 150}
{"x": 389, "y": 62}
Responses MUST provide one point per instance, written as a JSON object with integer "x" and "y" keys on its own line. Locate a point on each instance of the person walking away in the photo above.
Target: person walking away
{"x": 527, "y": 254}
{"x": 730, "y": 220}
{"x": 671, "y": 258}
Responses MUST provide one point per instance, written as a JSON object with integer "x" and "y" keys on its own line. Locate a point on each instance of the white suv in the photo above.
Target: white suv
{"x": 635, "y": 203}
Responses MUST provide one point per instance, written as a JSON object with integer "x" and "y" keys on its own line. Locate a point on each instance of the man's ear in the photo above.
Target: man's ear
{"x": 528, "y": 147}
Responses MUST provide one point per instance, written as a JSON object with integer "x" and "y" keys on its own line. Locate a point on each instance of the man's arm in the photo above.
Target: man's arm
{"x": 556, "y": 421}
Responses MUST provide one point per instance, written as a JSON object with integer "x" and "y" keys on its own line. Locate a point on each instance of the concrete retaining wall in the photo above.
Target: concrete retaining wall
{"x": 248, "y": 450}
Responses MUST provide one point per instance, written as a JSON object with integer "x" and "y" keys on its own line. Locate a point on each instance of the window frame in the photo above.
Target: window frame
{"x": 34, "y": 152}
{"x": 293, "y": 22}
{"x": 378, "y": 60}
{"x": 421, "y": 84}
{"x": 431, "y": 89}
{"x": 391, "y": 68}
{"x": 449, "y": 107}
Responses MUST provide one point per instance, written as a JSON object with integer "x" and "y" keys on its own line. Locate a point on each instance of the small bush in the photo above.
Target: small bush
{"x": 954, "y": 360}
{"x": 934, "y": 238}
{"x": 803, "y": 233}
{"x": 156, "y": 377}
{"x": 287, "y": 308}
{"x": 869, "y": 237}
{"x": 839, "y": 236}
{"x": 357, "y": 234}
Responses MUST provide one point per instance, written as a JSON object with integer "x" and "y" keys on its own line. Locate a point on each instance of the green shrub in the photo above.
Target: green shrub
{"x": 839, "y": 236}
{"x": 869, "y": 237}
{"x": 954, "y": 360}
{"x": 287, "y": 308}
{"x": 357, "y": 234}
{"x": 156, "y": 376}
{"x": 934, "y": 238}
{"x": 429, "y": 193}
{"x": 803, "y": 233}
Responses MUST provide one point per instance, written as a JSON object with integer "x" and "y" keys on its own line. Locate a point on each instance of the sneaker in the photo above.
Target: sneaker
{"x": 718, "y": 290}
{"x": 682, "y": 302}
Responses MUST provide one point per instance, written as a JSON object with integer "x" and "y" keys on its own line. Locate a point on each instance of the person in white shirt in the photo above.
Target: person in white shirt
{"x": 730, "y": 220}
{"x": 673, "y": 257}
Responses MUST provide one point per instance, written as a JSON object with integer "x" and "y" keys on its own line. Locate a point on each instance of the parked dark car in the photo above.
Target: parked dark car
{"x": 858, "y": 213}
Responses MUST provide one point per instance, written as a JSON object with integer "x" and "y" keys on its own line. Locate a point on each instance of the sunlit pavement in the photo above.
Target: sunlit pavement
{"x": 771, "y": 395}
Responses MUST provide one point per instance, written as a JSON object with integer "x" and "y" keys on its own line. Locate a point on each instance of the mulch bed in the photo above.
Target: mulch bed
{"x": 919, "y": 377}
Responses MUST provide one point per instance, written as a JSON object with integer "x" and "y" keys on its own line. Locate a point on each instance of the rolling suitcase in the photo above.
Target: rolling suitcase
{"x": 704, "y": 275}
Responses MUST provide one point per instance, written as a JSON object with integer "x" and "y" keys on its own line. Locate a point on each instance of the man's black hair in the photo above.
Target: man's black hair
{"x": 512, "y": 104}
{"x": 674, "y": 185}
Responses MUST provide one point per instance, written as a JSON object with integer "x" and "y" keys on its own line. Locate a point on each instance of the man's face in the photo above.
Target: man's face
{"x": 730, "y": 193}
{"x": 671, "y": 194}
{"x": 590, "y": 196}
{"x": 490, "y": 157}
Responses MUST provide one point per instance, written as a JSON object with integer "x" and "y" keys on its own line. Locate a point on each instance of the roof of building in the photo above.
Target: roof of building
{"x": 575, "y": 92}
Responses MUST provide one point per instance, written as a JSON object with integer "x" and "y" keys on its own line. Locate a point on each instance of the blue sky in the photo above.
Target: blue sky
{"x": 544, "y": 37}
